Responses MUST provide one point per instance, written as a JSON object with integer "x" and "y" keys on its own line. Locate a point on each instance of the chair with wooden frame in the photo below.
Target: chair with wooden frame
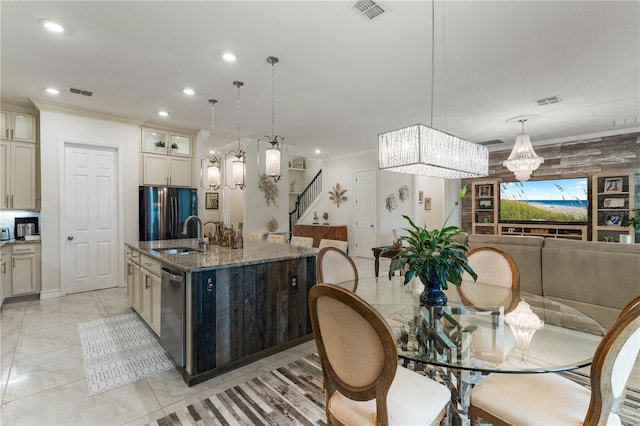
{"x": 301, "y": 241}
{"x": 342, "y": 245}
{"x": 494, "y": 267}
{"x": 276, "y": 239}
{"x": 363, "y": 383}
{"x": 545, "y": 399}
{"x": 335, "y": 266}
{"x": 630, "y": 307}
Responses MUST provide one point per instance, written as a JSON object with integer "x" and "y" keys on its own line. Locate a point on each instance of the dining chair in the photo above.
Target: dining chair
{"x": 276, "y": 239}
{"x": 548, "y": 398}
{"x": 255, "y": 236}
{"x": 301, "y": 241}
{"x": 633, "y": 305}
{"x": 342, "y": 245}
{"x": 363, "y": 383}
{"x": 495, "y": 267}
{"x": 335, "y": 266}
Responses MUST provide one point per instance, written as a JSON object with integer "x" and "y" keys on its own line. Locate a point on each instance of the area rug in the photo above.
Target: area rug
{"x": 294, "y": 395}
{"x": 120, "y": 350}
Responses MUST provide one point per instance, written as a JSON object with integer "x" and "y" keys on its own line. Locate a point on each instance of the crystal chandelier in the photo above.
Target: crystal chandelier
{"x": 424, "y": 150}
{"x": 523, "y": 159}
{"x": 238, "y": 165}
{"x": 213, "y": 167}
{"x": 273, "y": 154}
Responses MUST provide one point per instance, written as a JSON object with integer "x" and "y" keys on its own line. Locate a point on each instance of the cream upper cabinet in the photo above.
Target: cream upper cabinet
{"x": 17, "y": 126}
{"x": 161, "y": 142}
{"x": 166, "y": 158}
{"x": 166, "y": 170}
{"x": 18, "y": 186}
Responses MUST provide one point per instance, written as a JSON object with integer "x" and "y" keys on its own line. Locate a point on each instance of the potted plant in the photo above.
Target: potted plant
{"x": 635, "y": 220}
{"x": 159, "y": 144}
{"x": 435, "y": 256}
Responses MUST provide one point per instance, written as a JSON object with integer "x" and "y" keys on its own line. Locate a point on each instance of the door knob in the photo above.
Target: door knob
{"x": 70, "y": 237}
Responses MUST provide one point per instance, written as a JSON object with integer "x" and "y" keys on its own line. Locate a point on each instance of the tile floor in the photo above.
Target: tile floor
{"x": 42, "y": 377}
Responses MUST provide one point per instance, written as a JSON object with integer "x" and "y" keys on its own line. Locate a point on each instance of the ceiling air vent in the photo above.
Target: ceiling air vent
{"x": 79, "y": 91}
{"x": 550, "y": 100}
{"x": 369, "y": 9}
{"x": 491, "y": 142}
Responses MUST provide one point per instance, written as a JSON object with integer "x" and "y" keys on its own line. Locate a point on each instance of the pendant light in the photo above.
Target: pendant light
{"x": 424, "y": 150}
{"x": 238, "y": 165}
{"x": 273, "y": 155}
{"x": 523, "y": 160}
{"x": 212, "y": 172}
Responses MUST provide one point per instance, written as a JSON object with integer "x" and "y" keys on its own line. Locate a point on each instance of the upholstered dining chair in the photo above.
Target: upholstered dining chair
{"x": 276, "y": 239}
{"x": 255, "y": 236}
{"x": 301, "y": 241}
{"x": 342, "y": 245}
{"x": 363, "y": 383}
{"x": 633, "y": 305}
{"x": 495, "y": 267}
{"x": 335, "y": 266}
{"x": 550, "y": 399}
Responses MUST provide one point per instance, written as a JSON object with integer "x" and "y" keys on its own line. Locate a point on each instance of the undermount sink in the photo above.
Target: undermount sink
{"x": 176, "y": 250}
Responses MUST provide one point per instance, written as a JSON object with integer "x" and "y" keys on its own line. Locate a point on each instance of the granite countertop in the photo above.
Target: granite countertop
{"x": 254, "y": 252}
{"x": 13, "y": 241}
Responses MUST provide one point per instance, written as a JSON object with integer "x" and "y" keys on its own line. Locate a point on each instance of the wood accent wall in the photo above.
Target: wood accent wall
{"x": 568, "y": 159}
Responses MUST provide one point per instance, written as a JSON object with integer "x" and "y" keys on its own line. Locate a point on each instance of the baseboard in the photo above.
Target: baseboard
{"x": 50, "y": 294}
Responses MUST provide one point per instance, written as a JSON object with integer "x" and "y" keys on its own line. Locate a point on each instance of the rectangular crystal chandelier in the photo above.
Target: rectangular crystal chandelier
{"x": 422, "y": 150}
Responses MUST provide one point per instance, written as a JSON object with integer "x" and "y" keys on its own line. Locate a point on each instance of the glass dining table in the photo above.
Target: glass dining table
{"x": 469, "y": 337}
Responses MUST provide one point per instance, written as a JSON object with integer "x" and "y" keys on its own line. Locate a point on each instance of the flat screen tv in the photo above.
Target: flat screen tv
{"x": 560, "y": 201}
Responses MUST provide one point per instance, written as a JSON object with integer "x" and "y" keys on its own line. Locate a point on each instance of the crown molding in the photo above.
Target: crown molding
{"x": 43, "y": 105}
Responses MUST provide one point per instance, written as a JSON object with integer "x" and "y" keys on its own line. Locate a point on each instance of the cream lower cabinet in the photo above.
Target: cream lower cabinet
{"x": 24, "y": 269}
{"x": 150, "y": 283}
{"x": 5, "y": 272}
{"x": 18, "y": 186}
{"x": 162, "y": 170}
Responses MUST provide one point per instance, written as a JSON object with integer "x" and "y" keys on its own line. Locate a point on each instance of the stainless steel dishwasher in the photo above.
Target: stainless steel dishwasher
{"x": 172, "y": 312}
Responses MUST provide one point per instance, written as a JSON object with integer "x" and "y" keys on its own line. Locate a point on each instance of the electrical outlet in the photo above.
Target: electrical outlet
{"x": 293, "y": 280}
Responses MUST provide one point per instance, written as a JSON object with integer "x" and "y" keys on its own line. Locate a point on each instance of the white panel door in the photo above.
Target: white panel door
{"x": 91, "y": 218}
{"x": 365, "y": 213}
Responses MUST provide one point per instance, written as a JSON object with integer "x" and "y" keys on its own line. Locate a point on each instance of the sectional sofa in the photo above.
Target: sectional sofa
{"x": 597, "y": 278}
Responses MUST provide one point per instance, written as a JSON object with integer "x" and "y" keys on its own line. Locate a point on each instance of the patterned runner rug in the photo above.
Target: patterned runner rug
{"x": 120, "y": 350}
{"x": 294, "y": 395}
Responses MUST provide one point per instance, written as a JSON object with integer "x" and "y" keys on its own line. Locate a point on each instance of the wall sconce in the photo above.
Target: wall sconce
{"x": 524, "y": 323}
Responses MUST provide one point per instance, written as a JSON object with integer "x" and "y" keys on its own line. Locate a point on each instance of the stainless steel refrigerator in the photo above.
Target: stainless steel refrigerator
{"x": 163, "y": 211}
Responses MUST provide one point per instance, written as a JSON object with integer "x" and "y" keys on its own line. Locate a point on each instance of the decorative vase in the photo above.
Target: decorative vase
{"x": 432, "y": 294}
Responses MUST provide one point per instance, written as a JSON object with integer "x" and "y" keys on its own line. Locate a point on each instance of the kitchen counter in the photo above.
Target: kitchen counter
{"x": 234, "y": 306}
{"x": 13, "y": 241}
{"x": 254, "y": 252}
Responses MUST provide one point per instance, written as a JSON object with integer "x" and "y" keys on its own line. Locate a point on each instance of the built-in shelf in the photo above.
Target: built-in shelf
{"x": 573, "y": 232}
{"x": 484, "y": 196}
{"x": 296, "y": 169}
{"x": 613, "y": 200}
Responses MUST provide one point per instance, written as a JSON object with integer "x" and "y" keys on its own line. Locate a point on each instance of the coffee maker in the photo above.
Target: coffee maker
{"x": 25, "y": 226}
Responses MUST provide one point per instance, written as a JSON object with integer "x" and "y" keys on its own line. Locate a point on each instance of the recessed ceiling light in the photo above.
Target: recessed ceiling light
{"x": 317, "y": 151}
{"x": 229, "y": 57}
{"x": 163, "y": 114}
{"x": 189, "y": 92}
{"x": 52, "y": 25}
{"x": 52, "y": 91}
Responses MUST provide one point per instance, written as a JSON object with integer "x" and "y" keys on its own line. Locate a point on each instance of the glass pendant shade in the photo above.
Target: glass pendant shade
{"x": 524, "y": 323}
{"x": 213, "y": 175}
{"x": 523, "y": 159}
{"x": 272, "y": 160}
{"x": 422, "y": 150}
{"x": 238, "y": 171}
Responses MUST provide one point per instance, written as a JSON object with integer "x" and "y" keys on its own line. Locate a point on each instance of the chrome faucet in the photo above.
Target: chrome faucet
{"x": 201, "y": 243}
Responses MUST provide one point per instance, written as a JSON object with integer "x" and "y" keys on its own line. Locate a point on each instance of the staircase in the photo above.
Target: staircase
{"x": 305, "y": 199}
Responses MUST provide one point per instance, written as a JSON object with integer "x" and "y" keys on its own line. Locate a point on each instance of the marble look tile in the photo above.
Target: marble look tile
{"x": 7, "y": 349}
{"x": 10, "y": 306}
{"x": 146, "y": 419}
{"x": 169, "y": 388}
{"x": 10, "y": 327}
{"x": 42, "y": 372}
{"x": 80, "y": 313}
{"x": 71, "y": 405}
{"x": 47, "y": 339}
{"x": 11, "y": 315}
{"x": 118, "y": 309}
{"x": 113, "y": 296}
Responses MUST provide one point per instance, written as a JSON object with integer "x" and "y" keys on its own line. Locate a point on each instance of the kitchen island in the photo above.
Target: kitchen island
{"x": 238, "y": 305}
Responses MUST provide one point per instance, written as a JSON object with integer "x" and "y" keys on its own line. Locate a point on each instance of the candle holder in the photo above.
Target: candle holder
{"x": 524, "y": 323}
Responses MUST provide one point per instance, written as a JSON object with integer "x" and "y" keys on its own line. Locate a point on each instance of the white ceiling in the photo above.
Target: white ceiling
{"x": 342, "y": 79}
